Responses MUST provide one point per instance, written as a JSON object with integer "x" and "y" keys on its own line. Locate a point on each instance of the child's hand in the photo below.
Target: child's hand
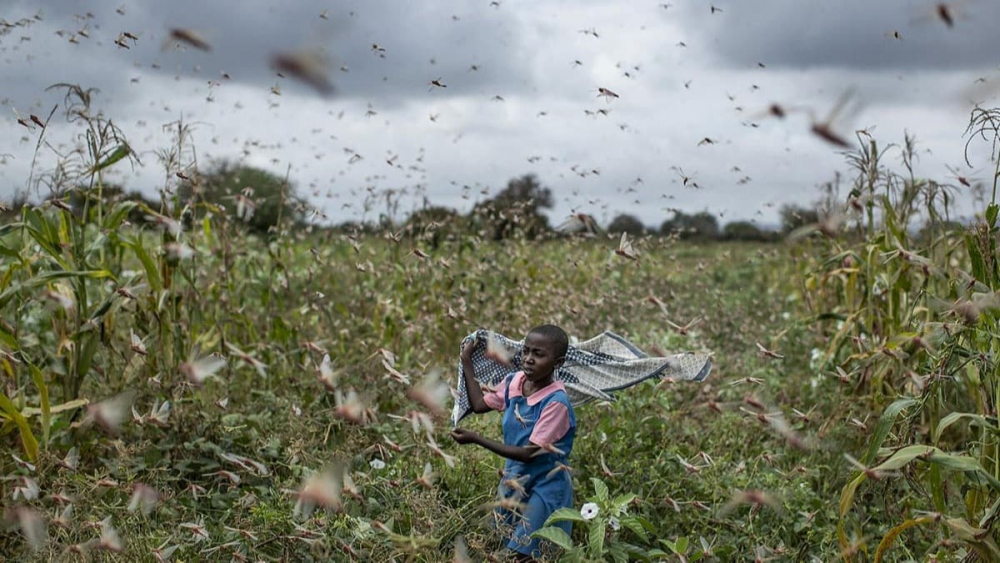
{"x": 464, "y": 436}
{"x": 469, "y": 347}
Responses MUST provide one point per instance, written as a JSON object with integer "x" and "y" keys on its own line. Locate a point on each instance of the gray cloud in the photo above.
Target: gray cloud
{"x": 419, "y": 44}
{"x": 597, "y": 155}
{"x": 849, "y": 33}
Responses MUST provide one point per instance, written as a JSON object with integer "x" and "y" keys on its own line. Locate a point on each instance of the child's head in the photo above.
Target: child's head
{"x": 544, "y": 351}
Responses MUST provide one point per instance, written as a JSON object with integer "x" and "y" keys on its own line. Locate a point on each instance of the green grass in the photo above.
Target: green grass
{"x": 401, "y": 305}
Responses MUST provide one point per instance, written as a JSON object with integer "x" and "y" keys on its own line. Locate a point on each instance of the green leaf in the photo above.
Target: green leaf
{"x": 49, "y": 276}
{"x": 555, "y": 535}
{"x": 991, "y": 215}
{"x": 563, "y": 514}
{"x": 847, "y": 494}
{"x": 28, "y": 440}
{"x": 937, "y": 487}
{"x": 978, "y": 265}
{"x": 600, "y": 489}
{"x": 936, "y": 456}
{"x": 889, "y": 214}
{"x": 633, "y": 525}
{"x": 10, "y": 227}
{"x": 905, "y": 455}
{"x": 120, "y": 152}
{"x": 43, "y": 393}
{"x": 152, "y": 273}
{"x": 45, "y": 235}
{"x": 87, "y": 357}
{"x": 595, "y": 537}
{"x": 975, "y": 420}
{"x": 617, "y": 554}
{"x": 621, "y": 501}
{"x": 9, "y": 252}
{"x": 681, "y": 545}
{"x": 885, "y": 423}
{"x": 892, "y": 534}
{"x": 62, "y": 407}
{"x": 8, "y": 339}
{"x": 114, "y": 219}
{"x": 645, "y": 523}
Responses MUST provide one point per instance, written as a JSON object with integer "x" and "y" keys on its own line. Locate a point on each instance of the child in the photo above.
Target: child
{"x": 538, "y": 430}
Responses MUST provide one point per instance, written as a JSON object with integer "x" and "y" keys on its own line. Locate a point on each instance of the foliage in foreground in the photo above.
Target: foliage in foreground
{"x": 169, "y": 383}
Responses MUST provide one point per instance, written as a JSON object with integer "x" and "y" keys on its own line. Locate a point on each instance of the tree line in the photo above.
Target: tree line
{"x": 260, "y": 200}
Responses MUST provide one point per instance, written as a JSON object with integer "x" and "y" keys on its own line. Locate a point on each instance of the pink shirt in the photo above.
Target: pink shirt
{"x": 552, "y": 423}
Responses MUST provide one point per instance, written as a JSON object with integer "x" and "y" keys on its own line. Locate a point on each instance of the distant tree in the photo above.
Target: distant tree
{"x": 795, "y": 216}
{"x": 699, "y": 226}
{"x": 515, "y": 211}
{"x": 10, "y": 211}
{"x": 249, "y": 195}
{"x": 625, "y": 223}
{"x": 745, "y": 230}
{"x": 433, "y": 224}
{"x": 355, "y": 227}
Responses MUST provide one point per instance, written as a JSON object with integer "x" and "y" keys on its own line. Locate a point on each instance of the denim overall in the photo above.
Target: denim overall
{"x": 545, "y": 492}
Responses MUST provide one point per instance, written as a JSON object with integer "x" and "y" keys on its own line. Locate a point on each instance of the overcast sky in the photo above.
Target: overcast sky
{"x": 521, "y": 94}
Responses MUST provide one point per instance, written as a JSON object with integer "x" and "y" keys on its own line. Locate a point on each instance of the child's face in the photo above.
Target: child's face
{"x": 538, "y": 358}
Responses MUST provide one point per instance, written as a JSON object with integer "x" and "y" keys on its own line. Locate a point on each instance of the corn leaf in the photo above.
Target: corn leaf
{"x": 61, "y": 407}
{"x": 885, "y": 423}
{"x": 42, "y": 232}
{"x": 8, "y": 339}
{"x": 978, "y": 265}
{"x": 43, "y": 393}
{"x": 114, "y": 219}
{"x": 934, "y": 455}
{"x": 28, "y": 440}
{"x": 847, "y": 494}
{"x": 891, "y": 536}
{"x": 120, "y": 152}
{"x": 49, "y": 276}
{"x": 152, "y": 273}
{"x": 975, "y": 420}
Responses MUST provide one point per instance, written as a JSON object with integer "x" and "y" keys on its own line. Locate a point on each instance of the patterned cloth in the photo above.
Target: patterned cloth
{"x": 593, "y": 369}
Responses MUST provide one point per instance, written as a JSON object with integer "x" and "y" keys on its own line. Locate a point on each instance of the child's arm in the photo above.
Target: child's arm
{"x": 524, "y": 454}
{"x": 472, "y": 388}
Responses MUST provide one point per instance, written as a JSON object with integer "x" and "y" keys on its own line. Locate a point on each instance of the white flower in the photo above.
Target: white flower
{"x": 815, "y": 356}
{"x": 615, "y": 524}
{"x": 589, "y": 511}
{"x": 377, "y": 463}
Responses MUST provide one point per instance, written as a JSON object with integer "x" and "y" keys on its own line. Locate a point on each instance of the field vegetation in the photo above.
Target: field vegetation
{"x": 166, "y": 391}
